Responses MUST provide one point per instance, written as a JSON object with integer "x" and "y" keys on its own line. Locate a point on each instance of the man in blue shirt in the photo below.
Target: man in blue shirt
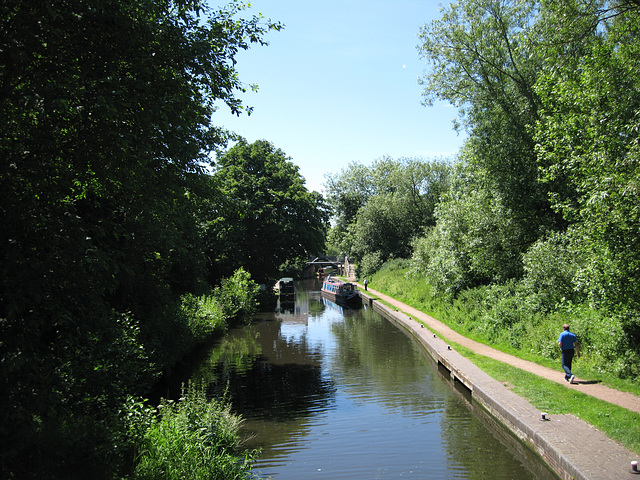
{"x": 568, "y": 343}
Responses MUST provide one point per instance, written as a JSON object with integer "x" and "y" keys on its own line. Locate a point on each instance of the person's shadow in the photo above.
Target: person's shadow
{"x": 586, "y": 382}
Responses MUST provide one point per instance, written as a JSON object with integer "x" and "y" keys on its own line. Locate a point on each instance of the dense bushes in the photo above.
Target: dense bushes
{"x": 98, "y": 442}
{"x": 204, "y": 314}
{"x": 370, "y": 264}
{"x": 233, "y": 301}
{"x": 196, "y": 437}
{"x": 193, "y": 438}
{"x": 237, "y": 296}
{"x": 517, "y": 317}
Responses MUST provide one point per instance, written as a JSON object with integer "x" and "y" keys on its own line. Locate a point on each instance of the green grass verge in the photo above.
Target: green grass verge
{"x": 395, "y": 284}
{"x": 617, "y": 423}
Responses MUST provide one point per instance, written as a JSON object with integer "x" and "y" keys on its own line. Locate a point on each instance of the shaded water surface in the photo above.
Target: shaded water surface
{"x": 333, "y": 394}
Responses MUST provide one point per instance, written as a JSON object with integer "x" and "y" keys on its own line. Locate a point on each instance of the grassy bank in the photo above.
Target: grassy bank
{"x": 617, "y": 423}
{"x": 465, "y": 316}
{"x": 197, "y": 437}
{"x": 194, "y": 438}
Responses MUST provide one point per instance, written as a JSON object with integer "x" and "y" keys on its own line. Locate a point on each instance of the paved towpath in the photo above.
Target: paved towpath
{"x": 595, "y": 389}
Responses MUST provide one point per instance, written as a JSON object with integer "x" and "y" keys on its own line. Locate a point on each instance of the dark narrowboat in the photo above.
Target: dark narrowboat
{"x": 286, "y": 288}
{"x": 342, "y": 293}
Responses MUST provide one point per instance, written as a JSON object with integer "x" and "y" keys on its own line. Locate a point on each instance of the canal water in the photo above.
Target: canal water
{"x": 332, "y": 393}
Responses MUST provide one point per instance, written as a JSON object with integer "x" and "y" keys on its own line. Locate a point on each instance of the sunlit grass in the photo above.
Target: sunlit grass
{"x": 194, "y": 438}
{"x": 617, "y": 423}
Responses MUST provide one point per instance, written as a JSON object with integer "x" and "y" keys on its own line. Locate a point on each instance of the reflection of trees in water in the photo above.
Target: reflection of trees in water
{"x": 276, "y": 392}
{"x": 198, "y": 368}
{"x": 272, "y": 383}
{"x": 275, "y": 380}
{"x": 236, "y": 350}
{"x": 369, "y": 345}
{"x": 264, "y": 376}
{"x": 303, "y": 303}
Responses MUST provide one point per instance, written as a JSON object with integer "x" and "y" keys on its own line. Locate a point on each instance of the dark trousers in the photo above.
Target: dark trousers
{"x": 567, "y": 358}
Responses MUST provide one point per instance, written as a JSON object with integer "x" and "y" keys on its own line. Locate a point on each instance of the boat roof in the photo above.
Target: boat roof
{"x": 337, "y": 281}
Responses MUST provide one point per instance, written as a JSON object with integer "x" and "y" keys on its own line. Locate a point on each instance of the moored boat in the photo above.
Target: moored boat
{"x": 342, "y": 293}
{"x": 286, "y": 288}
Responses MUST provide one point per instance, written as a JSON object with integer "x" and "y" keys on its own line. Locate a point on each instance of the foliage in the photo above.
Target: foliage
{"x": 370, "y": 263}
{"x": 195, "y": 438}
{"x": 544, "y": 208}
{"x": 382, "y": 227}
{"x": 293, "y": 268}
{"x": 552, "y": 266}
{"x": 589, "y": 148}
{"x": 205, "y": 316}
{"x": 438, "y": 258}
{"x": 588, "y": 139}
{"x": 107, "y": 110}
{"x": 347, "y": 192}
{"x": 263, "y": 215}
{"x": 237, "y": 297}
{"x": 378, "y": 210}
{"x": 484, "y": 59}
{"x": 475, "y": 240}
{"x": 511, "y": 317}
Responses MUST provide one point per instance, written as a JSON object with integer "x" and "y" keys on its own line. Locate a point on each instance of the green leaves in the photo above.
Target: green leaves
{"x": 550, "y": 173}
{"x": 106, "y": 114}
{"x": 587, "y": 142}
{"x": 263, "y": 216}
{"x": 379, "y": 209}
{"x": 194, "y": 438}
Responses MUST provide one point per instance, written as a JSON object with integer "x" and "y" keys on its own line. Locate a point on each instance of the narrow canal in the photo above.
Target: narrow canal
{"x": 344, "y": 394}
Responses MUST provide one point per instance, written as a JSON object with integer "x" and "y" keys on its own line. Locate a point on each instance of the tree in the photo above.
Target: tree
{"x": 550, "y": 99}
{"x": 589, "y": 149}
{"x": 264, "y": 215}
{"x": 106, "y": 117}
{"x": 382, "y": 226}
{"x": 347, "y": 192}
{"x": 379, "y": 209}
{"x": 589, "y": 140}
{"x": 484, "y": 59}
{"x": 470, "y": 243}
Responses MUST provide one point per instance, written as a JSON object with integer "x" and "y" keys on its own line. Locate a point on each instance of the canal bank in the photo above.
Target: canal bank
{"x": 570, "y": 446}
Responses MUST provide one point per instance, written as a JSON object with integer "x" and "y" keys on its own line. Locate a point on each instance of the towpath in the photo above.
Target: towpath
{"x": 595, "y": 389}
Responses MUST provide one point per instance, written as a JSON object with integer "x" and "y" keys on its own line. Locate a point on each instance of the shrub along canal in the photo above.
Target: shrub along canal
{"x": 333, "y": 393}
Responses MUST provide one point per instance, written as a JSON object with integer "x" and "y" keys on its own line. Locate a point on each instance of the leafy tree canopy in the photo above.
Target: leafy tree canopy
{"x": 106, "y": 114}
{"x": 548, "y": 92}
{"x": 588, "y": 139}
{"x": 483, "y": 58}
{"x": 379, "y": 209}
{"x": 472, "y": 241}
{"x": 264, "y": 216}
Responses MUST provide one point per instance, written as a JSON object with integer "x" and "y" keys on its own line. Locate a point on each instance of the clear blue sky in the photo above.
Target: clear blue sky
{"x": 339, "y": 84}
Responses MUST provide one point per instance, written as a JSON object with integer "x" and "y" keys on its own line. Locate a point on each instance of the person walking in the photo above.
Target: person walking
{"x": 365, "y": 284}
{"x": 568, "y": 343}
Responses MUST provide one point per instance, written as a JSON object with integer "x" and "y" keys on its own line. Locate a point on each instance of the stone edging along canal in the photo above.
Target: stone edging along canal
{"x": 569, "y": 446}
